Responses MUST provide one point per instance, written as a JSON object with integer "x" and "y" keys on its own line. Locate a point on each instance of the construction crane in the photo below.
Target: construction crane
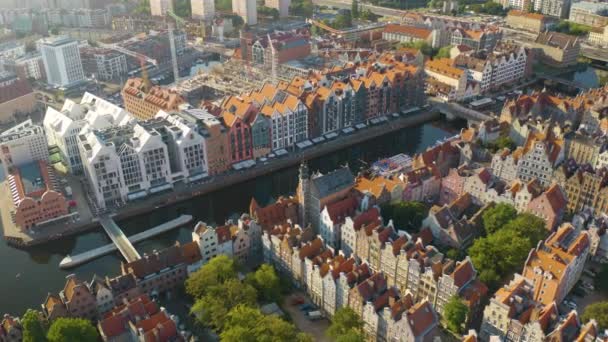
{"x": 128, "y": 52}
{"x": 178, "y": 21}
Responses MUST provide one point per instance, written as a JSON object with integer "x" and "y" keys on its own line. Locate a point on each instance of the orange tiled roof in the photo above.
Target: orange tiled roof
{"x": 444, "y": 66}
{"x": 411, "y": 31}
{"x": 536, "y": 16}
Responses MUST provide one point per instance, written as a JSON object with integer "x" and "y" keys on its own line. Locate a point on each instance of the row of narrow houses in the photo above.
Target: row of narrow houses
{"x": 278, "y": 116}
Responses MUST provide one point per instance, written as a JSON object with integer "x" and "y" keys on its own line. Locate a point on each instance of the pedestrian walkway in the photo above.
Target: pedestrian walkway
{"x": 119, "y": 238}
{"x": 73, "y": 261}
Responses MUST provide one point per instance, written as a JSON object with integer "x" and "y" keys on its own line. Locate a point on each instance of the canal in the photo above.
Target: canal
{"x": 28, "y": 275}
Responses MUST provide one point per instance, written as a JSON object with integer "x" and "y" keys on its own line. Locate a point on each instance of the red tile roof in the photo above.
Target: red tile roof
{"x": 338, "y": 211}
{"x": 410, "y": 31}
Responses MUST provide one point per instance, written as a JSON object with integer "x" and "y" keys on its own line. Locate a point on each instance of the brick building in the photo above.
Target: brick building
{"x": 145, "y": 101}
{"x": 35, "y": 195}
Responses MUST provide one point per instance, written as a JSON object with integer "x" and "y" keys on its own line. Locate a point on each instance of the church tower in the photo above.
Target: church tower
{"x": 304, "y": 194}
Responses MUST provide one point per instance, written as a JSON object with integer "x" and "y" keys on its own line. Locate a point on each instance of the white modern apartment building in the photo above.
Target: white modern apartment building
{"x": 127, "y": 160}
{"x": 62, "y": 62}
{"x": 92, "y": 113}
{"x": 281, "y": 5}
{"x": 160, "y": 7}
{"x": 124, "y": 163}
{"x": 203, "y": 9}
{"x": 247, "y": 9}
{"x": 23, "y": 144}
{"x": 186, "y": 146}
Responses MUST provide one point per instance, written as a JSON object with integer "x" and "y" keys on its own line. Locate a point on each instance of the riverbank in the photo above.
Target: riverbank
{"x": 184, "y": 192}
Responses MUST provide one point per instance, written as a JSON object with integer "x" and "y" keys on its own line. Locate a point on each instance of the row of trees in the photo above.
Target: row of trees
{"x": 228, "y": 304}
{"x": 61, "y": 330}
{"x": 509, "y": 238}
{"x": 574, "y": 29}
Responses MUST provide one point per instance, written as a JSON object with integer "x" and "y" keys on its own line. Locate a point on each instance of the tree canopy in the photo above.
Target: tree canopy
{"x": 214, "y": 306}
{"x": 302, "y": 8}
{"x": 33, "y": 330}
{"x": 217, "y": 271}
{"x": 443, "y": 52}
{"x": 507, "y": 244}
{"x": 530, "y": 226}
{"x": 489, "y": 7}
{"x": 183, "y": 8}
{"x": 223, "y": 5}
{"x": 572, "y": 28}
{"x": 601, "y": 279}
{"x": 497, "y": 255}
{"x": 244, "y": 323}
{"x": 455, "y": 314}
{"x": 142, "y": 8}
{"x": 405, "y": 215}
{"x": 501, "y": 143}
{"x": 267, "y": 11}
{"x": 599, "y": 312}
{"x": 346, "y": 325}
{"x": 267, "y": 283}
{"x": 424, "y": 47}
{"x": 498, "y": 216}
{"x": 354, "y": 9}
{"x": 72, "y": 330}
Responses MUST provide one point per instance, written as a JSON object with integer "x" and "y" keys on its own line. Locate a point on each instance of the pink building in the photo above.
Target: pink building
{"x": 452, "y": 185}
{"x": 550, "y": 206}
{"x": 422, "y": 184}
{"x": 34, "y": 195}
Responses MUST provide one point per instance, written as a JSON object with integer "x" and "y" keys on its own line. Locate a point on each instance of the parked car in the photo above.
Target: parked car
{"x": 297, "y": 301}
{"x": 306, "y": 307}
{"x": 314, "y": 315}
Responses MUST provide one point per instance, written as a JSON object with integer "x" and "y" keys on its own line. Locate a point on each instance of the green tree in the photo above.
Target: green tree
{"x": 497, "y": 255}
{"x": 599, "y": 312}
{"x": 444, "y": 52}
{"x": 142, "y": 8}
{"x": 351, "y": 335}
{"x": 217, "y": 271}
{"x": 72, "y": 330}
{"x": 244, "y": 323}
{"x": 223, "y": 5}
{"x": 455, "y": 314}
{"x": 266, "y": 281}
{"x": 423, "y": 46}
{"x": 601, "y": 279}
{"x": 183, "y": 8}
{"x": 302, "y": 8}
{"x": 405, "y": 215}
{"x": 342, "y": 21}
{"x": 220, "y": 299}
{"x": 529, "y": 226}
{"x": 354, "y": 11}
{"x": 345, "y": 322}
{"x": 33, "y": 330}
{"x": 497, "y": 217}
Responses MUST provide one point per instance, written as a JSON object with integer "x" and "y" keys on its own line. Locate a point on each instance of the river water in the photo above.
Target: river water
{"x": 28, "y": 275}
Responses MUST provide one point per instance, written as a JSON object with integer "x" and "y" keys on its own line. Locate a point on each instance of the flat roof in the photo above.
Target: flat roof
{"x": 57, "y": 40}
{"x": 31, "y": 178}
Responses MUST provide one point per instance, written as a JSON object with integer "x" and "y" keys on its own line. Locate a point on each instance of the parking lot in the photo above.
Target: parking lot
{"x": 583, "y": 294}
{"x": 315, "y": 328}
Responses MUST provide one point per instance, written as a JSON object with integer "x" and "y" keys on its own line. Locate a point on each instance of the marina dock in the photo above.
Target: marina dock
{"x": 121, "y": 242}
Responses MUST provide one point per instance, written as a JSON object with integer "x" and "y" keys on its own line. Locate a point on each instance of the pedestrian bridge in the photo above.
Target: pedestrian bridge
{"x": 121, "y": 242}
{"x": 454, "y": 110}
{"x": 119, "y": 238}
